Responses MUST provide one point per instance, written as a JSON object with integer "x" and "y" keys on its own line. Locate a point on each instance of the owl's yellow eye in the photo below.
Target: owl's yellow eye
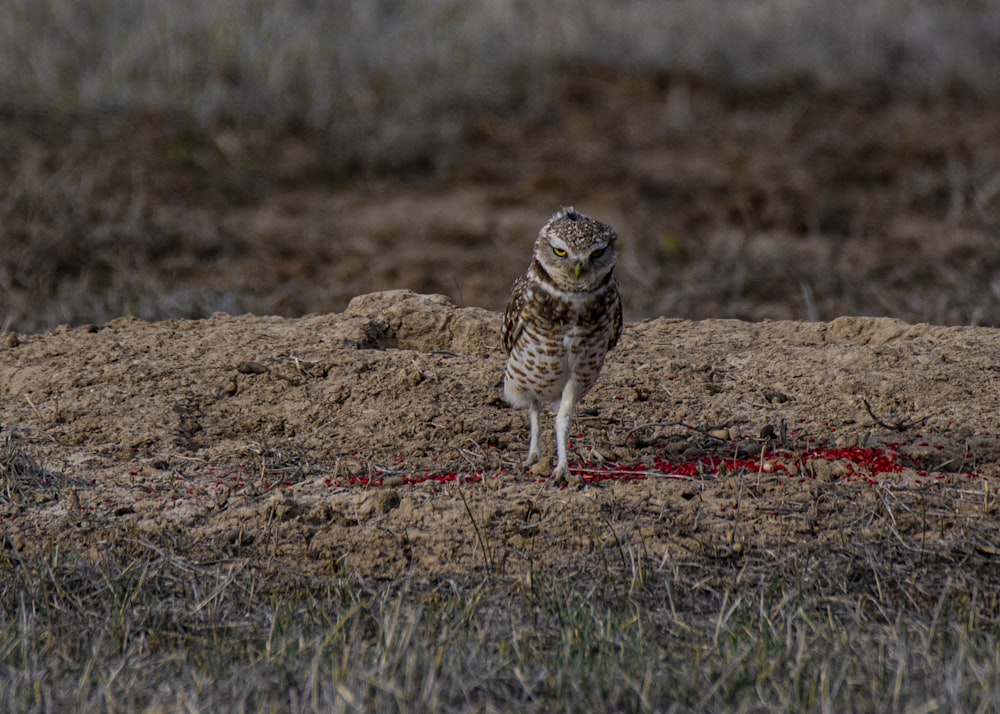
{"x": 597, "y": 253}
{"x": 559, "y": 252}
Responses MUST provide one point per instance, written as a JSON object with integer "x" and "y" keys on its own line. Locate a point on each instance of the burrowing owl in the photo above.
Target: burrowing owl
{"x": 562, "y": 318}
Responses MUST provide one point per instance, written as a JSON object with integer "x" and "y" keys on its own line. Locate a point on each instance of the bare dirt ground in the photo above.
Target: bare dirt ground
{"x": 369, "y": 439}
{"x": 373, "y": 444}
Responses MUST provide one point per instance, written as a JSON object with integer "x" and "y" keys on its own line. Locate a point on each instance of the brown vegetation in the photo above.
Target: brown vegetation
{"x": 320, "y": 505}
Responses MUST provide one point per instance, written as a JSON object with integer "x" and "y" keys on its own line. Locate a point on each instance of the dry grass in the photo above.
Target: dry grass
{"x": 319, "y": 62}
{"x": 859, "y": 627}
{"x": 22, "y": 476}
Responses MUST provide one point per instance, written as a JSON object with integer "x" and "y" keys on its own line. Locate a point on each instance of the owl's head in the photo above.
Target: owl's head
{"x": 575, "y": 251}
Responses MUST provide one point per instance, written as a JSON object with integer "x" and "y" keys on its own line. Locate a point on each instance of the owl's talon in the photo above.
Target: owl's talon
{"x": 565, "y": 477}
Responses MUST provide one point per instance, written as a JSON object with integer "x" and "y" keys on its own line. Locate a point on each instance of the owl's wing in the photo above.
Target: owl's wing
{"x": 616, "y": 317}
{"x": 512, "y": 322}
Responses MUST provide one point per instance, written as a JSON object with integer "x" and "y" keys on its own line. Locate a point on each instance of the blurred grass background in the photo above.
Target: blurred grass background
{"x": 767, "y": 159}
{"x": 314, "y": 62}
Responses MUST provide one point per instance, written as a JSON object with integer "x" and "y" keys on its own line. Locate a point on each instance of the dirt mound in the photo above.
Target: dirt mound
{"x": 374, "y": 442}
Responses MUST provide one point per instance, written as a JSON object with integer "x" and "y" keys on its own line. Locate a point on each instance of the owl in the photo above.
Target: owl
{"x": 563, "y": 317}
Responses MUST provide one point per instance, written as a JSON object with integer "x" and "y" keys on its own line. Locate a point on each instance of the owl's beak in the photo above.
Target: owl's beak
{"x": 577, "y": 269}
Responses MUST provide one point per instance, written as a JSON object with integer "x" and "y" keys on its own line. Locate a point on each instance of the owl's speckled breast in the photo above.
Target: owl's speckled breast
{"x": 560, "y": 338}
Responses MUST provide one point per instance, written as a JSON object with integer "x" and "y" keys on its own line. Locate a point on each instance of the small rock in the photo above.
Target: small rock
{"x": 542, "y": 467}
{"x": 774, "y": 396}
{"x": 846, "y": 441}
{"x": 251, "y": 368}
{"x": 410, "y": 376}
{"x": 827, "y": 471}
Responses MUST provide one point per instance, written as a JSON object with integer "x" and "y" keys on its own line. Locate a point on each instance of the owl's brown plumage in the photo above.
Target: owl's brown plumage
{"x": 563, "y": 317}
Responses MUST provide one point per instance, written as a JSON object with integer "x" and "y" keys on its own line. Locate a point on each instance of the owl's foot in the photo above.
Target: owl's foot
{"x": 561, "y": 475}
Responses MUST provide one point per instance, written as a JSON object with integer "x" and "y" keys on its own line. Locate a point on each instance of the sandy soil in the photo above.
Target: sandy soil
{"x": 373, "y": 444}
{"x": 362, "y": 433}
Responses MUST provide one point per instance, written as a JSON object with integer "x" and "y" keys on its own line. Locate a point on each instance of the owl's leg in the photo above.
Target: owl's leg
{"x": 533, "y": 450}
{"x": 566, "y": 406}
